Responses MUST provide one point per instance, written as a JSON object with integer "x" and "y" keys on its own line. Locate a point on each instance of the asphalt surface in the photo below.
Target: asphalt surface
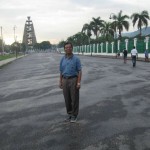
{"x": 114, "y": 105}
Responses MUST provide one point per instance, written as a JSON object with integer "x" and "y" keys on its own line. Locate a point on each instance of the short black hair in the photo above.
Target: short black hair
{"x": 66, "y": 43}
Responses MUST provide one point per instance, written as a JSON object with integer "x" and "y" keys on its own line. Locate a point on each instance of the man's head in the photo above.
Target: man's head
{"x": 68, "y": 47}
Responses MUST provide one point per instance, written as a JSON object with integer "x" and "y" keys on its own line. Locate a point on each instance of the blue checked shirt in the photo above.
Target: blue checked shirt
{"x": 70, "y": 66}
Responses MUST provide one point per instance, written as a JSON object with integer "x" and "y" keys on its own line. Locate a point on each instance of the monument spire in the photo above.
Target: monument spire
{"x": 29, "y": 38}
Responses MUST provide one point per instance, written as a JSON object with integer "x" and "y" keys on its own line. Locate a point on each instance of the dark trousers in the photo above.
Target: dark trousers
{"x": 71, "y": 96}
{"x": 134, "y": 61}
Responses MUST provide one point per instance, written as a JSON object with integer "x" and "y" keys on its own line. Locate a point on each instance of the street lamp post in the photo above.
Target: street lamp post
{"x": 115, "y": 33}
{"x": 20, "y": 47}
{"x": 2, "y": 41}
{"x": 14, "y": 28}
{"x": 15, "y": 46}
{"x": 15, "y": 39}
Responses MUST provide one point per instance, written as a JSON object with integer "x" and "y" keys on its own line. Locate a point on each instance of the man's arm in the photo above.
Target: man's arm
{"x": 60, "y": 77}
{"x": 79, "y": 79}
{"x": 131, "y": 52}
{"x": 60, "y": 81}
{"x": 136, "y": 54}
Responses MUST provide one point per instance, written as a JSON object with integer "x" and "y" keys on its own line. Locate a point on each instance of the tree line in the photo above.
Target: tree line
{"x": 21, "y": 47}
{"x": 106, "y": 31}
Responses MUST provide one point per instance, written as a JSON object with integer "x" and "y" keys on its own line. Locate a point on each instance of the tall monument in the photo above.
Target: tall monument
{"x": 29, "y": 38}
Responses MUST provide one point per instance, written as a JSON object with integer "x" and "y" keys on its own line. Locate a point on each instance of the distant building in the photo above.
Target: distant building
{"x": 29, "y": 38}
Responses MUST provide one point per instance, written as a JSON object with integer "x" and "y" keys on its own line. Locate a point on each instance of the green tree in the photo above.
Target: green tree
{"x": 23, "y": 48}
{"x": 96, "y": 24}
{"x": 2, "y": 44}
{"x": 107, "y": 30}
{"x": 37, "y": 46}
{"x": 15, "y": 47}
{"x": 141, "y": 19}
{"x": 120, "y": 22}
{"x": 45, "y": 45}
{"x": 87, "y": 29}
{"x": 80, "y": 38}
{"x": 7, "y": 48}
{"x": 61, "y": 44}
{"x": 71, "y": 39}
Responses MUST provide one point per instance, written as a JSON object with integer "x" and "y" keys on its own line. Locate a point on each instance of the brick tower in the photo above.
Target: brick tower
{"x": 29, "y": 38}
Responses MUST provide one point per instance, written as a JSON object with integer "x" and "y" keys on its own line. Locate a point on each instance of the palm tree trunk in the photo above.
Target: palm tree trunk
{"x": 119, "y": 34}
{"x": 140, "y": 32}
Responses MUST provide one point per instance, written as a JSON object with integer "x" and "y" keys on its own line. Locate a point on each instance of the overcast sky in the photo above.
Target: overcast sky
{"x": 55, "y": 20}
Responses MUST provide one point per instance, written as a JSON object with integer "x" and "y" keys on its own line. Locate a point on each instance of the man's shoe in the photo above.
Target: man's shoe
{"x": 68, "y": 118}
{"x": 73, "y": 119}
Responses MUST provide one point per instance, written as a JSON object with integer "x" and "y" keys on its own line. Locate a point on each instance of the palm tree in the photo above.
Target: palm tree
{"x": 120, "y": 22}
{"x": 87, "y": 28}
{"x": 96, "y": 25}
{"x": 141, "y": 19}
{"x": 80, "y": 39}
{"x": 107, "y": 30}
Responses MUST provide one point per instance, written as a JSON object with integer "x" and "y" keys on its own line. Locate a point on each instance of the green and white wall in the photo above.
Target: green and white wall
{"x": 112, "y": 48}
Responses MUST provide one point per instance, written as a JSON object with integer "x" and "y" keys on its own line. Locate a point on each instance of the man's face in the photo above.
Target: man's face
{"x": 68, "y": 49}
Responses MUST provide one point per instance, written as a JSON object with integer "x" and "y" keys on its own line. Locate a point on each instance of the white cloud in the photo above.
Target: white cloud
{"x": 57, "y": 19}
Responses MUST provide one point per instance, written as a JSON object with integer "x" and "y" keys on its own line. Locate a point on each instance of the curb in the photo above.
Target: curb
{"x": 7, "y": 61}
{"x": 114, "y": 57}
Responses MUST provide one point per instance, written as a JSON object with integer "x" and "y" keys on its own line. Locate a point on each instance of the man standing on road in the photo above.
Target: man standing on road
{"x": 125, "y": 52}
{"x": 134, "y": 54}
{"x": 146, "y": 55}
{"x": 70, "y": 78}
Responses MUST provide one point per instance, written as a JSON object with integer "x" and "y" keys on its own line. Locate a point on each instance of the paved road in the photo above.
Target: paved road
{"x": 114, "y": 106}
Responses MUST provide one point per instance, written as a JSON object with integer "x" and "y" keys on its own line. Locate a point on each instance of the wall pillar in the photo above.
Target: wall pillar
{"x": 101, "y": 47}
{"x": 112, "y": 47}
{"x": 97, "y": 48}
{"x": 147, "y": 40}
{"x": 118, "y": 45}
{"x": 135, "y": 41}
{"x": 126, "y": 41}
{"x": 106, "y": 47}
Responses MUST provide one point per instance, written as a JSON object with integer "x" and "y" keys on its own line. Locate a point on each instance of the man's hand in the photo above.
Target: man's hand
{"x": 78, "y": 85}
{"x": 60, "y": 84}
